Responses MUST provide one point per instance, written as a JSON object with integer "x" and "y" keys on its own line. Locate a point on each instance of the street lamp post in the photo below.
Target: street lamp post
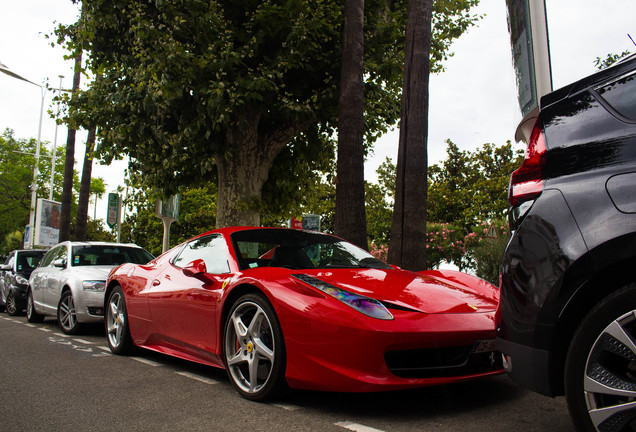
{"x": 59, "y": 94}
{"x": 34, "y": 186}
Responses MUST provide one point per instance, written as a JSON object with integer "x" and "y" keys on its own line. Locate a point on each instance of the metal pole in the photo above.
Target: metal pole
{"x": 59, "y": 94}
{"x": 34, "y": 187}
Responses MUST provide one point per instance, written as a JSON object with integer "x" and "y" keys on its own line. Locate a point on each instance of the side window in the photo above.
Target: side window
{"x": 211, "y": 249}
{"x": 48, "y": 257}
{"x": 55, "y": 253}
{"x": 621, "y": 95}
{"x": 61, "y": 254}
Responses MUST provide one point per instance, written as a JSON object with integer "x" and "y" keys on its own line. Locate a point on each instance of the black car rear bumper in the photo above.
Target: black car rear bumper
{"x": 527, "y": 366}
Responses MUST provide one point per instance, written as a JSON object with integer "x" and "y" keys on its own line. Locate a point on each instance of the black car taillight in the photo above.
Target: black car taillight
{"x": 526, "y": 183}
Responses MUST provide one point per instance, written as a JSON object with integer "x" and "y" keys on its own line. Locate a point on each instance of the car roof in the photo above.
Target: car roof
{"x": 618, "y": 69}
{"x": 96, "y": 243}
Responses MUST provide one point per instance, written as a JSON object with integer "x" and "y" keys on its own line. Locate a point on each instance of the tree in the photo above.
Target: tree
{"x": 470, "y": 188}
{"x": 609, "y": 60}
{"x": 196, "y": 89}
{"x": 98, "y": 188}
{"x": 407, "y": 247}
{"x": 16, "y": 176}
{"x": 81, "y": 219}
{"x": 197, "y": 215}
{"x": 69, "y": 160}
{"x": 351, "y": 220}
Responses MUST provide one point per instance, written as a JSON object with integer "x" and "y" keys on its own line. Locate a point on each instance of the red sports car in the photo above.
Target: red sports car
{"x": 281, "y": 308}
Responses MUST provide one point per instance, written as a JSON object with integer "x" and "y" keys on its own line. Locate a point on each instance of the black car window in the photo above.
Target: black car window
{"x": 27, "y": 261}
{"x": 621, "y": 95}
{"x": 211, "y": 249}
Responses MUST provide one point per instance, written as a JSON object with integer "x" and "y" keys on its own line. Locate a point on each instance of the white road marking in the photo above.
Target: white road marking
{"x": 83, "y": 341}
{"x": 146, "y": 361}
{"x": 356, "y": 427}
{"x": 287, "y": 407}
{"x": 196, "y": 377}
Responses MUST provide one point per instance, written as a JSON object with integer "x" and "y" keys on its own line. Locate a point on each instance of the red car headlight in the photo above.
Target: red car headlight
{"x": 365, "y": 305}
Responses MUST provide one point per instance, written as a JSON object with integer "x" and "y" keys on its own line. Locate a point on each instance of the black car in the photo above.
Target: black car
{"x": 568, "y": 274}
{"x": 14, "y": 279}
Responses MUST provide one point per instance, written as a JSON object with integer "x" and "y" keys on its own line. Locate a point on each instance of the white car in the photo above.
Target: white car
{"x": 70, "y": 280}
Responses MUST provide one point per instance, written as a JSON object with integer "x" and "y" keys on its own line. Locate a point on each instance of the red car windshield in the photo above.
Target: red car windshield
{"x": 299, "y": 250}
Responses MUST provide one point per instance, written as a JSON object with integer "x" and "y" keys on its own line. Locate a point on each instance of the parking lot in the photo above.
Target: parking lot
{"x": 53, "y": 381}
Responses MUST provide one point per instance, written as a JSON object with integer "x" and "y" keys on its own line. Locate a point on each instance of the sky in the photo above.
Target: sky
{"x": 473, "y": 102}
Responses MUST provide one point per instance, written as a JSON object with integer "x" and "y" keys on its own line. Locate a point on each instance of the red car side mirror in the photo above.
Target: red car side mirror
{"x": 195, "y": 268}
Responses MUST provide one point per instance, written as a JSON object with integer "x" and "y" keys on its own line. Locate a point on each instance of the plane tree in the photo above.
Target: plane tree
{"x": 197, "y": 90}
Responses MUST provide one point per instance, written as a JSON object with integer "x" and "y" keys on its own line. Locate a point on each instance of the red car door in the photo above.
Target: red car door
{"x": 184, "y": 308}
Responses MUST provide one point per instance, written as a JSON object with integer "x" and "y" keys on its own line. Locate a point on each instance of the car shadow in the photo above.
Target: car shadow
{"x": 414, "y": 403}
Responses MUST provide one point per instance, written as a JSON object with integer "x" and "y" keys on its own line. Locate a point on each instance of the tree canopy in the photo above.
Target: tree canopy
{"x": 197, "y": 90}
{"x": 16, "y": 176}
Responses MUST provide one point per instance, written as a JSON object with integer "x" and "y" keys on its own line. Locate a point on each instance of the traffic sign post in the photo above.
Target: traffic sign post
{"x": 168, "y": 211}
{"x": 114, "y": 213}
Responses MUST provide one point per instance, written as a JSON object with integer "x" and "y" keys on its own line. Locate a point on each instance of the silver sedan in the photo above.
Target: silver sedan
{"x": 70, "y": 280}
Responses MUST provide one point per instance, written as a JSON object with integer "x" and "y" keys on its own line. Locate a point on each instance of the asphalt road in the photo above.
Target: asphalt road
{"x": 50, "y": 381}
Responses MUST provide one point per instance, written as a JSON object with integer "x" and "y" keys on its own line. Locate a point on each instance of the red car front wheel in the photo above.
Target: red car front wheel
{"x": 254, "y": 349}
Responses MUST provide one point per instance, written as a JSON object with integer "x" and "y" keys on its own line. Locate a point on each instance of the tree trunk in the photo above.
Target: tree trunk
{"x": 81, "y": 220}
{"x": 242, "y": 172}
{"x": 350, "y": 219}
{"x": 244, "y": 168}
{"x": 407, "y": 247}
{"x": 69, "y": 163}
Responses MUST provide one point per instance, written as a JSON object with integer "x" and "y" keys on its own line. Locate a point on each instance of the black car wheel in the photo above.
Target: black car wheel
{"x": 254, "y": 350}
{"x": 600, "y": 370}
{"x": 32, "y": 315}
{"x": 116, "y": 323}
{"x": 10, "y": 304}
{"x": 66, "y": 316}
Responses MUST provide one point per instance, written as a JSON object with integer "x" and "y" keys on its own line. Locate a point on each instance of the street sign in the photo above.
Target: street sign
{"x": 492, "y": 232}
{"x": 113, "y": 210}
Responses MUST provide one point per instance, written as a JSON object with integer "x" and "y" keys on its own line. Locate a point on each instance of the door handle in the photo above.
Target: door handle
{"x": 156, "y": 282}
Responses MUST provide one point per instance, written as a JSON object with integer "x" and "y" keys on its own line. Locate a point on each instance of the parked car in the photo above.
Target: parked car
{"x": 279, "y": 307}
{"x": 568, "y": 288}
{"x": 14, "y": 279}
{"x": 69, "y": 283}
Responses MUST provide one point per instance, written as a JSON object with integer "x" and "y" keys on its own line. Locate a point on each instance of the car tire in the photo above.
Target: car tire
{"x": 10, "y": 304}
{"x": 116, "y": 323}
{"x": 31, "y": 314}
{"x": 254, "y": 349}
{"x": 66, "y": 315}
{"x": 3, "y": 301}
{"x": 600, "y": 368}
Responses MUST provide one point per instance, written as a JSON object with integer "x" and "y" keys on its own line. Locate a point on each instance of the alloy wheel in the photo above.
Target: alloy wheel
{"x": 250, "y": 347}
{"x": 10, "y": 304}
{"x": 609, "y": 385}
{"x": 115, "y": 319}
{"x": 66, "y": 314}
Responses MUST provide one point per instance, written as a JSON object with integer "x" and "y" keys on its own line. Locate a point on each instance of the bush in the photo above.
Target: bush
{"x": 12, "y": 241}
{"x": 474, "y": 252}
{"x": 485, "y": 252}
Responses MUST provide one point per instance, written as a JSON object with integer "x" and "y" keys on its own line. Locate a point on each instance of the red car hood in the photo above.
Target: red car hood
{"x": 430, "y": 291}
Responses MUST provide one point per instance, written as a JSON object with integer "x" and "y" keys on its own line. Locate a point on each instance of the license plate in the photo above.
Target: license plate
{"x": 484, "y": 346}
